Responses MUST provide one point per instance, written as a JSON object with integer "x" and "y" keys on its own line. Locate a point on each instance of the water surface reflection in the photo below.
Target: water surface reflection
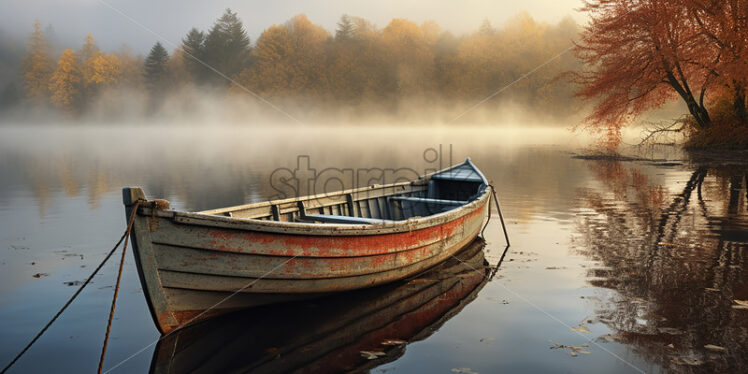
{"x": 644, "y": 258}
{"x": 675, "y": 253}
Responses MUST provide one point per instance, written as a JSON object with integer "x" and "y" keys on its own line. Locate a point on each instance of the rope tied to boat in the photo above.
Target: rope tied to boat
{"x": 124, "y": 237}
{"x": 119, "y": 278}
{"x": 501, "y": 216}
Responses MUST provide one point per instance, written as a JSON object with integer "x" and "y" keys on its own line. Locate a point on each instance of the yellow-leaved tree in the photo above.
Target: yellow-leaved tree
{"x": 65, "y": 82}
{"x": 271, "y": 73}
{"x": 106, "y": 70}
{"x": 177, "y": 69}
{"x": 479, "y": 66}
{"x": 37, "y": 66}
{"x": 354, "y": 65}
{"x": 88, "y": 53}
{"x": 290, "y": 59}
{"x": 408, "y": 57}
{"x": 308, "y": 59}
{"x": 132, "y": 68}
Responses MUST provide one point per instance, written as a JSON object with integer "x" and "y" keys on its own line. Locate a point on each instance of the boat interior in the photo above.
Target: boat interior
{"x": 436, "y": 193}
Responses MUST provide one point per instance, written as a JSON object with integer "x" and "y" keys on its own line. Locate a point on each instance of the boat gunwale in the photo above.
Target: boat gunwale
{"x": 327, "y": 195}
{"x": 326, "y": 229}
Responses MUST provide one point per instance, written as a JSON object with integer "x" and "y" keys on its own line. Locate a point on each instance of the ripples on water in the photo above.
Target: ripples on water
{"x": 618, "y": 266}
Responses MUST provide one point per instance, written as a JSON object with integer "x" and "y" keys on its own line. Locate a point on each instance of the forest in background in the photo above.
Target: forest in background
{"x": 403, "y": 71}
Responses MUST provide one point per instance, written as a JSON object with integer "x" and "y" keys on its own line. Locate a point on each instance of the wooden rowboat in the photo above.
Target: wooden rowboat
{"x": 194, "y": 265}
{"x": 327, "y": 335}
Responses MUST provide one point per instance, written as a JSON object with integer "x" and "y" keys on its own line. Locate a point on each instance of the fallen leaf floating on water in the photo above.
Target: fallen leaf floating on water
{"x": 39, "y": 275}
{"x": 393, "y": 342}
{"x": 464, "y": 371}
{"x": 581, "y": 328}
{"x": 371, "y": 355}
{"x": 573, "y": 349}
{"x": 574, "y": 352}
{"x": 715, "y": 348}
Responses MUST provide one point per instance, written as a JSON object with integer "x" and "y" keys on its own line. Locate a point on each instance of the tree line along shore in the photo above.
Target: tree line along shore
{"x": 356, "y": 65}
{"x": 627, "y": 60}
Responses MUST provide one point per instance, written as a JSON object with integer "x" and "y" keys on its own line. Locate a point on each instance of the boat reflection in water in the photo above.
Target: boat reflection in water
{"x": 328, "y": 335}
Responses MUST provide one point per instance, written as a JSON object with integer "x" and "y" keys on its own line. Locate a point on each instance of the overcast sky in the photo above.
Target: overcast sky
{"x": 171, "y": 19}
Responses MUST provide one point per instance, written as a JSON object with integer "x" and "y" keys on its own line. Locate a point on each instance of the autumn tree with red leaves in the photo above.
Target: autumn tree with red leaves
{"x": 724, "y": 23}
{"x": 641, "y": 54}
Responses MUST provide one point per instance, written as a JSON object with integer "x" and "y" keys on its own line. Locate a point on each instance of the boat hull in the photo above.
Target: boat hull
{"x": 195, "y": 266}
{"x": 327, "y": 336}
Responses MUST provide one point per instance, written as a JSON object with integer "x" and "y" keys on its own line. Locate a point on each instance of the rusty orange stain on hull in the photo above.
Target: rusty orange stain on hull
{"x": 333, "y": 246}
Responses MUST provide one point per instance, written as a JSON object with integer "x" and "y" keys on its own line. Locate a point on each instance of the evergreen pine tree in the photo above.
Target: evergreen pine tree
{"x": 37, "y": 65}
{"x": 194, "y": 47}
{"x": 155, "y": 68}
{"x": 486, "y": 28}
{"x": 345, "y": 29}
{"x": 227, "y": 47}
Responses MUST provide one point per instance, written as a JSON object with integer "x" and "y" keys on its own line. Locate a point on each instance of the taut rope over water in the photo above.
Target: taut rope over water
{"x": 116, "y": 287}
{"x": 125, "y": 235}
{"x": 501, "y": 216}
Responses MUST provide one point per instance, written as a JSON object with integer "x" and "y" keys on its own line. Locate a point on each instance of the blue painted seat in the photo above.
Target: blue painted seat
{"x": 330, "y": 218}
{"x": 424, "y": 200}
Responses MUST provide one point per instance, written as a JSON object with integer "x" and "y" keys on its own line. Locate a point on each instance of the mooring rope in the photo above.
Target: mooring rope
{"x": 85, "y": 283}
{"x": 501, "y": 216}
{"x": 116, "y": 287}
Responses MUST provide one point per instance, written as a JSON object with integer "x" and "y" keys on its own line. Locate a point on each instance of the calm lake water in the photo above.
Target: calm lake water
{"x": 615, "y": 266}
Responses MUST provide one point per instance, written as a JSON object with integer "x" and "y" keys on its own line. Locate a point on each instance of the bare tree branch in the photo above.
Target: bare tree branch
{"x": 657, "y": 129}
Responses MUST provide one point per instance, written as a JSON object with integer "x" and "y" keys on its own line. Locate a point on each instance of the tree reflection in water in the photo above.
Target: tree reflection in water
{"x": 677, "y": 261}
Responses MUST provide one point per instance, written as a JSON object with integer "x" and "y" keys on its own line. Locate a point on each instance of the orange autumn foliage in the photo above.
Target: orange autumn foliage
{"x": 641, "y": 54}
{"x": 66, "y": 81}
